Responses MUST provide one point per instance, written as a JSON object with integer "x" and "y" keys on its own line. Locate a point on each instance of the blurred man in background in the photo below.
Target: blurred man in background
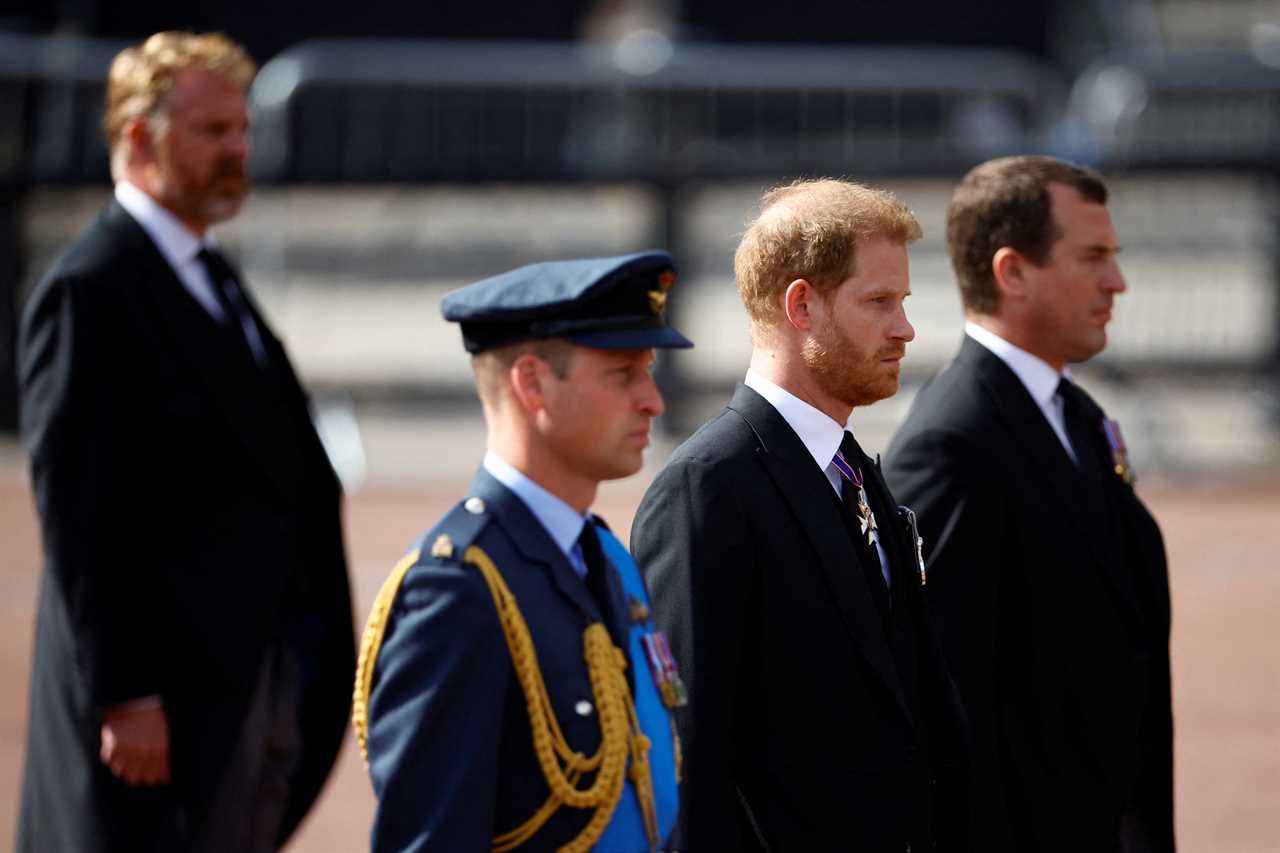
{"x": 193, "y": 641}
{"x": 820, "y": 715}
{"x": 1046, "y": 572}
{"x": 512, "y": 692}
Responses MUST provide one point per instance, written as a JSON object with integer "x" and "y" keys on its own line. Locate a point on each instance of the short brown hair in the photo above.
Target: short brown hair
{"x": 1005, "y": 202}
{"x": 491, "y": 365}
{"x": 810, "y": 229}
{"x": 142, "y": 76}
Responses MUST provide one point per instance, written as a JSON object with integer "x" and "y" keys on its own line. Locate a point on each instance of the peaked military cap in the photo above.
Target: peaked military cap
{"x": 604, "y": 303}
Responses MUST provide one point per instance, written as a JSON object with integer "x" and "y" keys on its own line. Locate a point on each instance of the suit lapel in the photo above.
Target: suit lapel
{"x": 1031, "y": 430}
{"x": 807, "y": 491}
{"x": 227, "y": 373}
{"x": 533, "y": 541}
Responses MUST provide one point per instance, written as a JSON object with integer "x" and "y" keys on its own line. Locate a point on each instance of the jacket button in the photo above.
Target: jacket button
{"x": 583, "y": 708}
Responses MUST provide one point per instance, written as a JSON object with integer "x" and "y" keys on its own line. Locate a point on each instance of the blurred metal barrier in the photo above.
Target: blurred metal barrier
{"x": 1203, "y": 110}
{"x": 650, "y": 110}
{"x": 51, "y": 91}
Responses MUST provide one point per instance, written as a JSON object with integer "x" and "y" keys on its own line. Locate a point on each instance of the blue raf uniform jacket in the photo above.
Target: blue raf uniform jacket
{"x": 450, "y": 749}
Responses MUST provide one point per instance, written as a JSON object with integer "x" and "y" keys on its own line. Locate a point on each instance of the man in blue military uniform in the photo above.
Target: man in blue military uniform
{"x": 512, "y": 692}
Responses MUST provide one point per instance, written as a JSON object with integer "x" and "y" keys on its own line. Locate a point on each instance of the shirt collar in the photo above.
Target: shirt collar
{"x": 176, "y": 242}
{"x": 1039, "y": 377}
{"x": 561, "y": 521}
{"x": 819, "y": 434}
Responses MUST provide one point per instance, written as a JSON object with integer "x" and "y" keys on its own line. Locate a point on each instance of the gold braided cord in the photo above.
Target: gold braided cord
{"x": 370, "y": 644}
{"x": 620, "y": 734}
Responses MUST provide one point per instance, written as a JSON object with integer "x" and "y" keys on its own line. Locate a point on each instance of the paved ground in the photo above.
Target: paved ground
{"x": 1223, "y": 540}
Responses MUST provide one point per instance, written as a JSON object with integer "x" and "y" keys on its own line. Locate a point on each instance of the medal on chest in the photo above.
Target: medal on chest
{"x": 1119, "y": 452}
{"x": 853, "y": 477}
{"x": 657, "y": 654}
{"x": 867, "y": 518}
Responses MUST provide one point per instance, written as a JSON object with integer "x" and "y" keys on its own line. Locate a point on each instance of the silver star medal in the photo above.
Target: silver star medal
{"x": 867, "y": 518}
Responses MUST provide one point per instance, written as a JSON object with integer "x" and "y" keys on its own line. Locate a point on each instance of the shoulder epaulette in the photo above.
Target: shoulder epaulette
{"x": 447, "y": 541}
{"x": 456, "y": 532}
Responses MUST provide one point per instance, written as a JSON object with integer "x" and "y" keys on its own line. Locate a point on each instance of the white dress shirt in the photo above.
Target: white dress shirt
{"x": 1037, "y": 375}
{"x": 819, "y": 433}
{"x": 181, "y": 248}
{"x": 563, "y": 523}
{"x": 175, "y": 241}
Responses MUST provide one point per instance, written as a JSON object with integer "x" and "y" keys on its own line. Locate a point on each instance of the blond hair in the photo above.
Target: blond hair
{"x": 810, "y": 229}
{"x": 142, "y": 76}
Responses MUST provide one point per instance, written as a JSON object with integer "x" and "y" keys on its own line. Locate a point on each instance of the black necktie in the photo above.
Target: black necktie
{"x": 597, "y": 580}
{"x": 1084, "y": 423}
{"x": 235, "y": 308}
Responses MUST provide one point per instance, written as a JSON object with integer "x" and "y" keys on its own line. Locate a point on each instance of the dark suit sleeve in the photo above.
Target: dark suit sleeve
{"x": 79, "y": 423}
{"x": 694, "y": 544}
{"x": 436, "y": 715}
{"x": 961, "y": 514}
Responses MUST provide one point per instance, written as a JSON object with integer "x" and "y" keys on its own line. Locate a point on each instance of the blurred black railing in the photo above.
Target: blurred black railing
{"x": 1198, "y": 110}
{"x": 654, "y": 111}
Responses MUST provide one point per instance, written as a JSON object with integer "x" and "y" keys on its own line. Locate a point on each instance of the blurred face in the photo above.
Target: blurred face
{"x": 597, "y": 418}
{"x": 860, "y": 331}
{"x": 201, "y": 150}
{"x": 1069, "y": 299}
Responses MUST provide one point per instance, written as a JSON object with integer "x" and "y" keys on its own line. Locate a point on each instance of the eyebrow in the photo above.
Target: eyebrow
{"x": 885, "y": 290}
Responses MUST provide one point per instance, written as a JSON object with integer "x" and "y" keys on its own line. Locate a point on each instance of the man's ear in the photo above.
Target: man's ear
{"x": 139, "y": 136}
{"x": 1009, "y": 268}
{"x": 797, "y": 300}
{"x": 527, "y": 375}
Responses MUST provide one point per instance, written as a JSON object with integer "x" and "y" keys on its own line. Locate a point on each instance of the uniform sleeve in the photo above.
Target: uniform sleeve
{"x": 693, "y": 543}
{"x": 435, "y": 712}
{"x": 78, "y": 412}
{"x": 962, "y": 514}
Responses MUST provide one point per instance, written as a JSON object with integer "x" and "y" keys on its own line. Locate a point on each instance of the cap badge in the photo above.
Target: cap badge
{"x": 658, "y": 298}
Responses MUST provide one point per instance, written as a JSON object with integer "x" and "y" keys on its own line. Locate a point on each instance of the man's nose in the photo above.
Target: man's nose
{"x": 651, "y": 402}
{"x": 902, "y": 328}
{"x": 1113, "y": 281}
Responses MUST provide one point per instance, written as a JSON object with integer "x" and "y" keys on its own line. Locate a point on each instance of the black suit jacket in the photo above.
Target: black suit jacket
{"x": 1052, "y": 602}
{"x": 190, "y": 521}
{"x": 800, "y": 735}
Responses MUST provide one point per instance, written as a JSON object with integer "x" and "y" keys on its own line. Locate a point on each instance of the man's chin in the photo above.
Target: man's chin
{"x": 625, "y": 466}
{"x": 874, "y": 392}
{"x": 222, "y": 208}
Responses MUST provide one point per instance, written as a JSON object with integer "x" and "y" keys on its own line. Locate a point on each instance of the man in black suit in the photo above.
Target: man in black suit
{"x": 1046, "y": 573}
{"x": 820, "y": 716}
{"x": 194, "y": 640}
